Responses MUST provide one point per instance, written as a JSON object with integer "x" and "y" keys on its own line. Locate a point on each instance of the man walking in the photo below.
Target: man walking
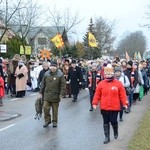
{"x": 75, "y": 78}
{"x": 52, "y": 86}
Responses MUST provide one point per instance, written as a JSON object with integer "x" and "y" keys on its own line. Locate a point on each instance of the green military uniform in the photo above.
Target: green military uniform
{"x": 52, "y": 86}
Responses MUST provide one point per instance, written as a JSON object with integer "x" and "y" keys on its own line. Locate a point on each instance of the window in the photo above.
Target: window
{"x": 41, "y": 41}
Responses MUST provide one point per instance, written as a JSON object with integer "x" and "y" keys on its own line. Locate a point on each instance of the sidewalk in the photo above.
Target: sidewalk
{"x": 8, "y": 115}
{"x": 129, "y": 125}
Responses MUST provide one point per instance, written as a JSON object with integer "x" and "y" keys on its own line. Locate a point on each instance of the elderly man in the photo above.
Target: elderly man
{"x": 52, "y": 86}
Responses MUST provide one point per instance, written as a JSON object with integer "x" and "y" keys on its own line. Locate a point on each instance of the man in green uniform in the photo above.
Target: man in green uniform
{"x": 52, "y": 87}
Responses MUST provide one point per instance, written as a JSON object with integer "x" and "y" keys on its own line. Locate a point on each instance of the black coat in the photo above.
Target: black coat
{"x": 74, "y": 76}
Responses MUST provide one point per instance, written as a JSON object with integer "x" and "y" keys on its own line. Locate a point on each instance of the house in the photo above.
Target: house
{"x": 38, "y": 37}
{"x": 8, "y": 33}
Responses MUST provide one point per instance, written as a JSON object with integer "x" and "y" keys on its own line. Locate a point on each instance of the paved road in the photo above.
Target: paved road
{"x": 78, "y": 129}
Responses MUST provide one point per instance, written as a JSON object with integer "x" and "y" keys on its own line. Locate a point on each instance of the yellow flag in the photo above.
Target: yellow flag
{"x": 92, "y": 40}
{"x": 27, "y": 50}
{"x": 58, "y": 41}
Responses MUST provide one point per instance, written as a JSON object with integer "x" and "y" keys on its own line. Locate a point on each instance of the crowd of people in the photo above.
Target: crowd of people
{"x": 114, "y": 84}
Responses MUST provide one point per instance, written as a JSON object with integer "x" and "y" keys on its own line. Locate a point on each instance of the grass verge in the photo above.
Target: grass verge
{"x": 141, "y": 138}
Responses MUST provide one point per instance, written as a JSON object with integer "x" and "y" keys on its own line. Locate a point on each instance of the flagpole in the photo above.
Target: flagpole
{"x": 60, "y": 54}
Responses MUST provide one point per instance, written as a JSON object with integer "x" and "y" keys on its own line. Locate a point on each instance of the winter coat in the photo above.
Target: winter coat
{"x": 110, "y": 95}
{"x": 93, "y": 78}
{"x": 1, "y": 87}
{"x": 21, "y": 82}
{"x": 128, "y": 73}
{"x": 41, "y": 75}
{"x": 52, "y": 86}
{"x": 74, "y": 76}
{"x": 124, "y": 80}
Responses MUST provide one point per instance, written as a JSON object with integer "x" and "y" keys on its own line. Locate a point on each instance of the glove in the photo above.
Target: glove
{"x": 20, "y": 75}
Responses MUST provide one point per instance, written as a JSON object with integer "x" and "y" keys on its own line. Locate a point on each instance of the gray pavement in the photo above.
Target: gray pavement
{"x": 8, "y": 115}
{"x": 78, "y": 129}
{"x": 130, "y": 125}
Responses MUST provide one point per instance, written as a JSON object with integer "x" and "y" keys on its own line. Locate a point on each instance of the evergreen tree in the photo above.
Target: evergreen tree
{"x": 91, "y": 53}
{"x": 13, "y": 47}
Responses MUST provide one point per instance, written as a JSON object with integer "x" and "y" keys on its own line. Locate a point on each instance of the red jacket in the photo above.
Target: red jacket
{"x": 110, "y": 95}
{"x": 1, "y": 87}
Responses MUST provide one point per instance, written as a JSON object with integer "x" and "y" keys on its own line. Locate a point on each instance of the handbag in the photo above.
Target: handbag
{"x": 128, "y": 89}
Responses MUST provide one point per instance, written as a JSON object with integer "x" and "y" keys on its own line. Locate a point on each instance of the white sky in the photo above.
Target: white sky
{"x": 128, "y": 13}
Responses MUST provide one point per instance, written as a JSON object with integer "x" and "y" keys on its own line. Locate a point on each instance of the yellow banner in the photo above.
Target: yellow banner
{"x": 92, "y": 40}
{"x": 58, "y": 41}
{"x": 27, "y": 50}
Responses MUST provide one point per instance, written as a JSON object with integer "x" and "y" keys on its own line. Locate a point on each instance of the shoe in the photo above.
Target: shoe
{"x": 91, "y": 109}
{"x": 54, "y": 124}
{"x": 74, "y": 100}
{"x": 46, "y": 124}
{"x": 1, "y": 104}
{"x": 121, "y": 120}
{"x": 69, "y": 96}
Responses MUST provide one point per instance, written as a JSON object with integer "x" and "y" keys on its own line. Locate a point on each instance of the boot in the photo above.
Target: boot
{"x": 106, "y": 133}
{"x": 115, "y": 128}
{"x": 46, "y": 124}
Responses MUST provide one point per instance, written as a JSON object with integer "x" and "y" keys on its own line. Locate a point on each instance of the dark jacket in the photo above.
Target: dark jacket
{"x": 74, "y": 76}
{"x": 128, "y": 73}
{"x": 52, "y": 86}
{"x": 41, "y": 75}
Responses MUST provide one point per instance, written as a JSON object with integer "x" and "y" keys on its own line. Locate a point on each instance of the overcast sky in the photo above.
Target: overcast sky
{"x": 128, "y": 13}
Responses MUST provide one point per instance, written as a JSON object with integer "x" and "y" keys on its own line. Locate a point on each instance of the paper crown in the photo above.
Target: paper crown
{"x": 109, "y": 69}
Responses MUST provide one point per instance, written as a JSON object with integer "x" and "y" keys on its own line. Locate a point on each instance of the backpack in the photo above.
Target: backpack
{"x": 38, "y": 108}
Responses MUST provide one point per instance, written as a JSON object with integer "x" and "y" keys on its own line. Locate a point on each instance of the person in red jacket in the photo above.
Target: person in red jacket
{"x": 110, "y": 93}
{"x": 2, "y": 88}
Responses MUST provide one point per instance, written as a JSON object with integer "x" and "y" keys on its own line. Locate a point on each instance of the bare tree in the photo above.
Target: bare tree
{"x": 8, "y": 10}
{"x": 63, "y": 19}
{"x": 104, "y": 34}
{"x": 131, "y": 43}
{"x": 25, "y": 19}
{"x": 147, "y": 17}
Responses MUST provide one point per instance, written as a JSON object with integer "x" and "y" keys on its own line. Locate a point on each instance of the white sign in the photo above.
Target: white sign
{"x": 3, "y": 48}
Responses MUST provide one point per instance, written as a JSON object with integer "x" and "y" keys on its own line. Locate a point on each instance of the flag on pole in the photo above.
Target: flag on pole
{"x": 135, "y": 55}
{"x": 139, "y": 56}
{"x": 92, "y": 40}
{"x": 58, "y": 41}
{"x": 127, "y": 56}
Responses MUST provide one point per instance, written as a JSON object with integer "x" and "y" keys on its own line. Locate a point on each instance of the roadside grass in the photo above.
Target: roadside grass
{"x": 141, "y": 138}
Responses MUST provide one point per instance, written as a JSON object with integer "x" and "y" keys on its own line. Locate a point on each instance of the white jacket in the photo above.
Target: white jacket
{"x": 124, "y": 80}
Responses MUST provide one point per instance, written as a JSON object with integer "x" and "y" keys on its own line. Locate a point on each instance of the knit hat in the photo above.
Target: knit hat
{"x": 130, "y": 62}
{"x": 53, "y": 63}
{"x": 118, "y": 69}
{"x": 94, "y": 65}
